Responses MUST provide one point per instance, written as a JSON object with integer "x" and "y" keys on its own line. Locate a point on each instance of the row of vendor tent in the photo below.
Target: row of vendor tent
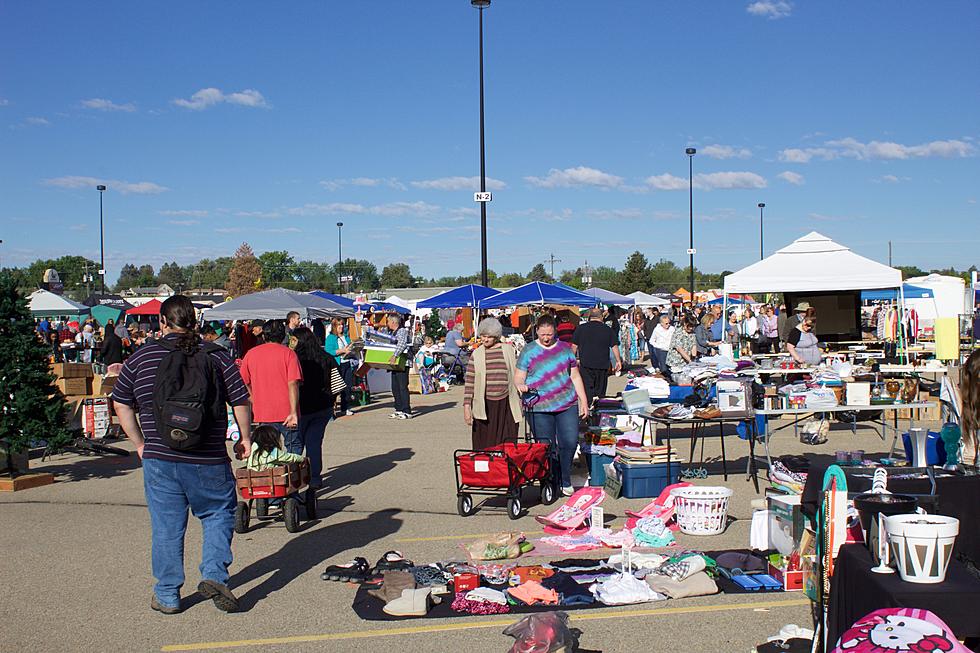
{"x": 275, "y": 304}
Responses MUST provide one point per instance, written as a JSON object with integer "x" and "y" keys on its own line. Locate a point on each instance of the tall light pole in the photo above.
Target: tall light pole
{"x": 690, "y": 152}
{"x": 340, "y": 253}
{"x": 101, "y": 188}
{"x": 762, "y": 250}
{"x": 481, "y": 5}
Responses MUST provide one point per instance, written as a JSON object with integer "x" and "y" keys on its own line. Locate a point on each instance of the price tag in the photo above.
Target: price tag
{"x": 483, "y": 197}
{"x": 692, "y": 251}
{"x": 596, "y": 519}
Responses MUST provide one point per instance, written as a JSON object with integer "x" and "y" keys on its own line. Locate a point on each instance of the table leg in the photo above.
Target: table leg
{"x": 694, "y": 441}
{"x": 724, "y": 460}
{"x": 753, "y": 468}
{"x": 669, "y": 477}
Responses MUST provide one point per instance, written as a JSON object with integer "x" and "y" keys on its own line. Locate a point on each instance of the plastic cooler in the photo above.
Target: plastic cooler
{"x": 646, "y": 481}
{"x": 380, "y": 357}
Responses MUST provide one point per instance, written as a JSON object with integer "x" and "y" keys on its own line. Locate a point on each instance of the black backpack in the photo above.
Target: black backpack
{"x": 188, "y": 395}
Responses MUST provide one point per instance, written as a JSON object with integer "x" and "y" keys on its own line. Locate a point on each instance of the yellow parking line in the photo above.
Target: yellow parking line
{"x": 473, "y": 625}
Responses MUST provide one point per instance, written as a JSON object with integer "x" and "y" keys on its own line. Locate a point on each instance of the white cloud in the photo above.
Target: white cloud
{"x": 37, "y": 120}
{"x": 258, "y": 214}
{"x": 4, "y": 102}
{"x": 791, "y": 177}
{"x": 457, "y": 183}
{"x": 572, "y": 177}
{"x": 101, "y": 104}
{"x": 852, "y": 148}
{"x": 183, "y": 223}
{"x": 124, "y": 187}
{"x": 364, "y": 182}
{"x": 820, "y": 217}
{"x": 187, "y": 213}
{"x": 209, "y": 97}
{"x": 667, "y": 182}
{"x": 725, "y": 152}
{"x": 616, "y": 214}
{"x": 891, "y": 179}
{"x": 389, "y": 209}
{"x": 771, "y": 9}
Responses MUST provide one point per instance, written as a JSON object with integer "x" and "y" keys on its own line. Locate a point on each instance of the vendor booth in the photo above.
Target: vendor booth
{"x": 603, "y": 296}
{"x": 468, "y": 296}
{"x": 275, "y": 304}
{"x": 47, "y": 304}
{"x": 644, "y": 299}
{"x": 538, "y": 293}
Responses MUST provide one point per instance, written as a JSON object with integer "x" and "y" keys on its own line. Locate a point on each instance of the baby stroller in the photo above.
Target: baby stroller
{"x": 284, "y": 483}
{"x": 504, "y": 470}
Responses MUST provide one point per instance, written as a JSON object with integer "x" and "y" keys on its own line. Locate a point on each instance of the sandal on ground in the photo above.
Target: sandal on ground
{"x": 355, "y": 571}
{"x": 391, "y": 561}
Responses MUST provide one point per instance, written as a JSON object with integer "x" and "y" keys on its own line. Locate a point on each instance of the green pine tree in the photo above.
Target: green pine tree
{"x": 433, "y": 326}
{"x": 33, "y": 409}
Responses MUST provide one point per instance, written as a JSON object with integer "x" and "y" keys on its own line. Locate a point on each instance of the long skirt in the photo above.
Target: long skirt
{"x": 497, "y": 428}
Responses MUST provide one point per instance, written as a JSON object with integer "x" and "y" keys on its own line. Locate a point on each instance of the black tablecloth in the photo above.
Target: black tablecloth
{"x": 959, "y": 496}
{"x": 855, "y": 591}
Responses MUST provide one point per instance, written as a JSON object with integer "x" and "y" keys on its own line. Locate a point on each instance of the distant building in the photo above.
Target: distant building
{"x": 161, "y": 291}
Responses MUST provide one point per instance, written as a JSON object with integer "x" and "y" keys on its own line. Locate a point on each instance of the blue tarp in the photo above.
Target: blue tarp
{"x": 538, "y": 293}
{"x": 343, "y": 301}
{"x": 891, "y": 294}
{"x": 468, "y": 296}
{"x": 603, "y": 296}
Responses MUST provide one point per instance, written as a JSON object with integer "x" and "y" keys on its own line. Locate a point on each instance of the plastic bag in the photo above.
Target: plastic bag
{"x": 501, "y": 546}
{"x": 542, "y": 632}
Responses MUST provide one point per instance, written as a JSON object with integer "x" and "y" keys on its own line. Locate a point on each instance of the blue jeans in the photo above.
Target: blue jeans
{"x": 291, "y": 438}
{"x": 311, "y": 429}
{"x": 659, "y": 358}
{"x": 561, "y": 430}
{"x": 209, "y": 492}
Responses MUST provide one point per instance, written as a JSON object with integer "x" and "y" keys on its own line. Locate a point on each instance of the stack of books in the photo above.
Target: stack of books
{"x": 646, "y": 455}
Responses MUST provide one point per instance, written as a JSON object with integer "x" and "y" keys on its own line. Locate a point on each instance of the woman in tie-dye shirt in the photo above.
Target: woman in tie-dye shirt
{"x": 548, "y": 367}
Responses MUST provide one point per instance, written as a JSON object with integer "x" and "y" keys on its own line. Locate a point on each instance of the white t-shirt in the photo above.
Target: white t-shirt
{"x": 661, "y": 337}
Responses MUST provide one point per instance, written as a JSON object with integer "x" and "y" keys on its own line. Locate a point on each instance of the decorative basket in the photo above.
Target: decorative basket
{"x": 922, "y": 545}
{"x": 701, "y": 510}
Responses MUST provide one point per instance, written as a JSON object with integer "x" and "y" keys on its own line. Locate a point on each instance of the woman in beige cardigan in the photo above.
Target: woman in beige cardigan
{"x": 491, "y": 402}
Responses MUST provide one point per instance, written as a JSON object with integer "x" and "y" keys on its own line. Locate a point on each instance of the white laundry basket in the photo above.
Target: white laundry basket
{"x": 701, "y": 510}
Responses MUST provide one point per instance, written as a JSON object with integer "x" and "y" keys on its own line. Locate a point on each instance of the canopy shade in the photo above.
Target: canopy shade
{"x": 47, "y": 304}
{"x": 813, "y": 263}
{"x": 644, "y": 299}
{"x": 103, "y": 313}
{"x": 115, "y": 301}
{"x": 468, "y": 296}
{"x": 603, "y": 296}
{"x": 151, "y": 307}
{"x": 538, "y": 293}
{"x": 338, "y": 299}
{"x": 387, "y": 307}
{"x": 891, "y": 294}
{"x": 275, "y": 304}
{"x": 732, "y": 301}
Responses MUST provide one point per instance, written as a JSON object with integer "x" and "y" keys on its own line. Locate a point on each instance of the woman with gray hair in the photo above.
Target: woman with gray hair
{"x": 491, "y": 402}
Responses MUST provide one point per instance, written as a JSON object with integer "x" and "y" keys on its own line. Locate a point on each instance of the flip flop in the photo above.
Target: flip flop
{"x": 356, "y": 571}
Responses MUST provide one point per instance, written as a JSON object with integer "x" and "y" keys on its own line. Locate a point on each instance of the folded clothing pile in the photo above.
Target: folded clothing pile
{"x": 657, "y": 387}
{"x": 653, "y": 532}
{"x": 625, "y": 589}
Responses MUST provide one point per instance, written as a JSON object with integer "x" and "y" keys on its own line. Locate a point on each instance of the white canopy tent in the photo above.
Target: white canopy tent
{"x": 948, "y": 298}
{"x": 643, "y": 299}
{"x": 815, "y": 263}
{"x": 47, "y": 304}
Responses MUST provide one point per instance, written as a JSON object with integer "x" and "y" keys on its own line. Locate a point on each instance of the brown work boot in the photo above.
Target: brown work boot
{"x": 223, "y": 599}
{"x": 159, "y": 607}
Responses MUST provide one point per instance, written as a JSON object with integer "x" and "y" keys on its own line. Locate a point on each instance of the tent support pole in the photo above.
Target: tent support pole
{"x": 902, "y": 339}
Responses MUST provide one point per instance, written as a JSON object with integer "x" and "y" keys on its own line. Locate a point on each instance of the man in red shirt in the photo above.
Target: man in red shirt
{"x": 272, "y": 373}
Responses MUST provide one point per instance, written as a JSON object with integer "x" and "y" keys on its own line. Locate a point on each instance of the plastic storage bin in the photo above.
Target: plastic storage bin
{"x": 646, "y": 481}
{"x": 597, "y": 468}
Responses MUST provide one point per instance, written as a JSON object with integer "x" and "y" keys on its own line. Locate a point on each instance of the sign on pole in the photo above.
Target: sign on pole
{"x": 483, "y": 197}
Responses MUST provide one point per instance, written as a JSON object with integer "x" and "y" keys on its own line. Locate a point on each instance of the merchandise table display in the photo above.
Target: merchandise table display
{"x": 856, "y": 591}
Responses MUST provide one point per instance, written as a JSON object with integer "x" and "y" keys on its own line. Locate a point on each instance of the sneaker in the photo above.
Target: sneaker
{"x": 567, "y": 491}
{"x": 349, "y": 413}
{"x": 161, "y": 608}
{"x": 223, "y": 599}
{"x": 395, "y": 415}
{"x": 405, "y": 416}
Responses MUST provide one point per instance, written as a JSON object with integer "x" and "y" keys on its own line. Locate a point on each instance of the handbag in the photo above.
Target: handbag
{"x": 337, "y": 383}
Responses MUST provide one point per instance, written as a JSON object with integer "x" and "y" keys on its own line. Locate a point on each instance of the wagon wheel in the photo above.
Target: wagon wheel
{"x": 548, "y": 494}
{"x": 242, "y": 514}
{"x": 290, "y": 514}
{"x": 464, "y": 505}
{"x": 514, "y": 507}
{"x": 262, "y": 508}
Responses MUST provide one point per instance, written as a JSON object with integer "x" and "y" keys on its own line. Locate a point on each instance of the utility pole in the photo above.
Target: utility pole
{"x": 553, "y": 260}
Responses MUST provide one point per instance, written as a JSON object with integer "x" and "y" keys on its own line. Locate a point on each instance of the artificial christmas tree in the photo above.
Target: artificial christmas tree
{"x": 433, "y": 326}
{"x": 32, "y": 410}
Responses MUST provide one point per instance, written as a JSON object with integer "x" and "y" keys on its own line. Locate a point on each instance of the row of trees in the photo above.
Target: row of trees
{"x": 245, "y": 272}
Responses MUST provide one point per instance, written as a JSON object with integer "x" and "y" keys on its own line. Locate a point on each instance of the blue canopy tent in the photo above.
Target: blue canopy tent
{"x": 731, "y": 301}
{"x": 603, "y": 296}
{"x": 385, "y": 307}
{"x": 538, "y": 293}
{"x": 468, "y": 296}
{"x": 891, "y": 294}
{"x": 338, "y": 299}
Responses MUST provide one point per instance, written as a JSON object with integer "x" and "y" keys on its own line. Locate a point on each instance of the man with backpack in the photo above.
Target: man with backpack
{"x": 180, "y": 388}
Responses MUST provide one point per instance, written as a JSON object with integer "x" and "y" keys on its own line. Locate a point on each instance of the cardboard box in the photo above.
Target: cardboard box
{"x": 414, "y": 384}
{"x": 72, "y": 370}
{"x": 75, "y": 386}
{"x": 102, "y": 385}
{"x": 785, "y": 523}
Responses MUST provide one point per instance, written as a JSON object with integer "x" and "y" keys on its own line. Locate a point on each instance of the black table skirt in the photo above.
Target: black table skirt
{"x": 855, "y": 591}
{"x": 959, "y": 497}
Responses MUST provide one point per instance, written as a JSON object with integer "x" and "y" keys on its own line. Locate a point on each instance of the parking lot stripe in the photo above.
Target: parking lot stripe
{"x": 442, "y": 628}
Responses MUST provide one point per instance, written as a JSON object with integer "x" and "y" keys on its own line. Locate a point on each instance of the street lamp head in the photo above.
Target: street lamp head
{"x": 100, "y": 188}
{"x": 340, "y": 224}
{"x": 762, "y": 205}
{"x": 690, "y": 151}
{"x": 480, "y": 4}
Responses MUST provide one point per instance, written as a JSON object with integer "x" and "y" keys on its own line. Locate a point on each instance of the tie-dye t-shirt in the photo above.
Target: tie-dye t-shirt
{"x": 548, "y": 373}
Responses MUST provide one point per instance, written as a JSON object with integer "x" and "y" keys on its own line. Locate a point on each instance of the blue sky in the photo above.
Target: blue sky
{"x": 217, "y": 123}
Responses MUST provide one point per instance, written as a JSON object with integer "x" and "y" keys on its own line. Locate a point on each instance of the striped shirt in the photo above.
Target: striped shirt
{"x": 548, "y": 372}
{"x": 498, "y": 380}
{"x": 134, "y": 388}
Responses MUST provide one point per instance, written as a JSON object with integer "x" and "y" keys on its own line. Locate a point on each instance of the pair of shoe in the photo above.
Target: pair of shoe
{"x": 412, "y": 603}
{"x": 348, "y": 413}
{"x": 567, "y": 491}
{"x": 400, "y": 415}
{"x": 219, "y": 593}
